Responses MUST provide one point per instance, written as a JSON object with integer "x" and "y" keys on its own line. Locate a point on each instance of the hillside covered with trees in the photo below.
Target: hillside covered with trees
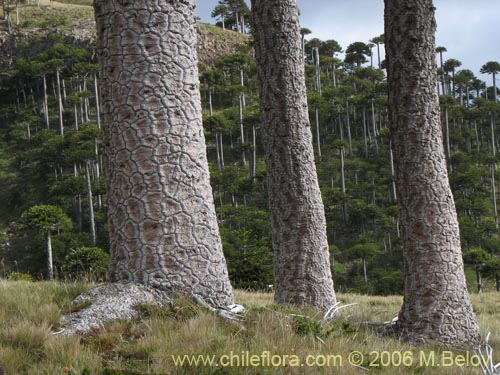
{"x": 51, "y": 153}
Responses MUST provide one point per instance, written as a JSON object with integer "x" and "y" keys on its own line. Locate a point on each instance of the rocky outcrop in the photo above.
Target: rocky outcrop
{"x": 213, "y": 42}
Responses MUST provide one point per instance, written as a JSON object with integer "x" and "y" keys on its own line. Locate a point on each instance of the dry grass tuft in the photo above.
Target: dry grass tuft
{"x": 147, "y": 346}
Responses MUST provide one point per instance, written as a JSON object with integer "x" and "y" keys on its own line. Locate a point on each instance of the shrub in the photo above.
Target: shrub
{"x": 86, "y": 262}
{"x": 19, "y": 276}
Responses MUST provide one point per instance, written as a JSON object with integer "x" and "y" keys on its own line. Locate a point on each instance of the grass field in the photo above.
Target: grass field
{"x": 29, "y": 312}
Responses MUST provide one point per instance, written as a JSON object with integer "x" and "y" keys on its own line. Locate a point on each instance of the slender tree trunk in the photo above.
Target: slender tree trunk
{"x": 242, "y": 131}
{"x": 221, "y": 148}
{"x": 348, "y": 123}
{"x": 217, "y": 143}
{"x": 76, "y": 117}
{"x": 378, "y": 55}
{"x": 318, "y": 136}
{"x": 50, "y": 266}
{"x": 163, "y": 226}
{"x": 393, "y": 180}
{"x": 302, "y": 260}
{"x": 447, "y": 132}
{"x": 365, "y": 274}
{"x": 77, "y": 203}
{"x": 317, "y": 85}
{"x": 97, "y": 103}
{"x": 436, "y": 303}
{"x": 243, "y": 31}
{"x": 45, "y": 104}
{"x": 254, "y": 152}
{"x": 63, "y": 85}
{"x": 495, "y": 96}
{"x": 9, "y": 20}
{"x": 342, "y": 185}
{"x": 85, "y": 100}
{"x": 479, "y": 283}
{"x": 375, "y": 132}
{"x": 237, "y": 17}
{"x": 365, "y": 135}
{"x": 82, "y": 120}
{"x": 478, "y": 141}
{"x": 334, "y": 74}
{"x": 494, "y": 193}
{"x": 91, "y": 205}
{"x": 492, "y": 127}
{"x": 59, "y": 103}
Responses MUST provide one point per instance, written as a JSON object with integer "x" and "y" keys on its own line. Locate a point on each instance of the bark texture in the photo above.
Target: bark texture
{"x": 436, "y": 302}
{"x": 163, "y": 227}
{"x": 302, "y": 268}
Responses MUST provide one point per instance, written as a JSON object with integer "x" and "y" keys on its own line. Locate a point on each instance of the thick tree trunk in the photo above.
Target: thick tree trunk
{"x": 436, "y": 302}
{"x": 163, "y": 227}
{"x": 302, "y": 269}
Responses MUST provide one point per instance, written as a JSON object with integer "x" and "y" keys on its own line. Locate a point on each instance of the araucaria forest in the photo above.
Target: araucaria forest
{"x": 103, "y": 153}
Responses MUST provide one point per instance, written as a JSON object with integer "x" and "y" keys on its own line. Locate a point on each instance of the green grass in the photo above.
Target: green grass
{"x": 29, "y": 312}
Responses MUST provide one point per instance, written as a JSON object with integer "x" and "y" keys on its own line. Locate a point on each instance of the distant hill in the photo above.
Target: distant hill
{"x": 74, "y": 19}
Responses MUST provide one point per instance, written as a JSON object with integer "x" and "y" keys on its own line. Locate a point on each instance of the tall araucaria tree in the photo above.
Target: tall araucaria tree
{"x": 493, "y": 68}
{"x": 163, "y": 227}
{"x": 46, "y": 219}
{"x": 302, "y": 268}
{"x": 436, "y": 303}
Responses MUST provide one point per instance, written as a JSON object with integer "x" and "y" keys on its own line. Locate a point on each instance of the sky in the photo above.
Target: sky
{"x": 469, "y": 29}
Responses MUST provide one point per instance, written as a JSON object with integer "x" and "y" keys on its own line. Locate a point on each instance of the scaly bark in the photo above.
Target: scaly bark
{"x": 163, "y": 227}
{"x": 302, "y": 268}
{"x": 436, "y": 302}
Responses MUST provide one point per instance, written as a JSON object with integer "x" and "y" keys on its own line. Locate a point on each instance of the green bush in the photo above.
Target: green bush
{"x": 19, "y": 276}
{"x": 86, "y": 262}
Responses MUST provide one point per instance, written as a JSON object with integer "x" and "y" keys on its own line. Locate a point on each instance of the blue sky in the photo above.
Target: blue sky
{"x": 469, "y": 29}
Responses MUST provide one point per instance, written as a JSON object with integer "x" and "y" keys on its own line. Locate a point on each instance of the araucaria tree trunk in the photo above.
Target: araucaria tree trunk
{"x": 163, "y": 227}
{"x": 436, "y": 303}
{"x": 302, "y": 268}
